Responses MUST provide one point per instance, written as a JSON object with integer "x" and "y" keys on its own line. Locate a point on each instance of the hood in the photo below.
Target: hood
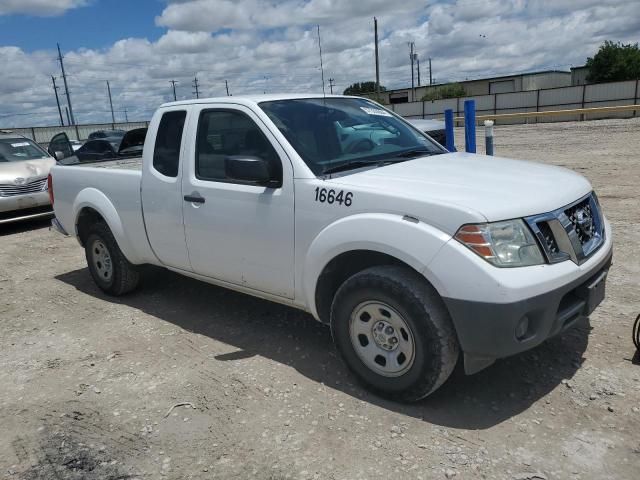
{"x": 496, "y": 188}
{"x": 26, "y": 170}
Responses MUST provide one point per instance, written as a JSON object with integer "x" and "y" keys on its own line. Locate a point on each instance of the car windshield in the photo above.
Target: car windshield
{"x": 19, "y": 149}
{"x": 332, "y": 134}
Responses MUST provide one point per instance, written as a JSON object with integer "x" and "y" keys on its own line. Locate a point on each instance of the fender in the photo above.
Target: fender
{"x": 407, "y": 239}
{"x": 98, "y": 201}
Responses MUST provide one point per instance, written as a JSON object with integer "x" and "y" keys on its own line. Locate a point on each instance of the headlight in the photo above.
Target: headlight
{"x": 504, "y": 244}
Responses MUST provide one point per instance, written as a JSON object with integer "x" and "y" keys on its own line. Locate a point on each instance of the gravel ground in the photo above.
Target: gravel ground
{"x": 87, "y": 382}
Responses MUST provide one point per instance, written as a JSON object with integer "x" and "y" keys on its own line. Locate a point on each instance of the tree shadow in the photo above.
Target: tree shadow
{"x": 294, "y": 338}
{"x": 24, "y": 226}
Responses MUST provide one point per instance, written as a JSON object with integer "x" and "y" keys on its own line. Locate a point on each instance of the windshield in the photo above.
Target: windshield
{"x": 19, "y": 149}
{"x": 344, "y": 133}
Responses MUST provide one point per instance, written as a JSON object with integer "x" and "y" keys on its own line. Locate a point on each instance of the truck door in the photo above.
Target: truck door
{"x": 162, "y": 189}
{"x": 237, "y": 231}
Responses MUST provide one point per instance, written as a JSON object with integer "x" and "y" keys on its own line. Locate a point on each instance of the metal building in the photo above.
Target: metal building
{"x": 487, "y": 86}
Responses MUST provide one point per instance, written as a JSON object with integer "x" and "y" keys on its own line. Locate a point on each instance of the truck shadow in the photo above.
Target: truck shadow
{"x": 293, "y": 338}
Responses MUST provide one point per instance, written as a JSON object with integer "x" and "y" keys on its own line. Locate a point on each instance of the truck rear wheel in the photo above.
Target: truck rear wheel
{"x": 394, "y": 332}
{"x": 109, "y": 268}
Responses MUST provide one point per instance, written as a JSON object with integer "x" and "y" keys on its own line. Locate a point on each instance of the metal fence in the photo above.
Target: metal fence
{"x": 562, "y": 98}
{"x": 43, "y": 135}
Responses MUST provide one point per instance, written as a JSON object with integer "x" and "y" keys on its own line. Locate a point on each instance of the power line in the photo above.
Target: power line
{"x": 195, "y": 85}
{"x": 113, "y": 117}
{"x": 66, "y": 86}
{"x": 173, "y": 82}
{"x": 55, "y": 90}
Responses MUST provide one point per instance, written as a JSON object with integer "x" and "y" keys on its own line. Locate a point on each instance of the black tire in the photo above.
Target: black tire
{"x": 436, "y": 348}
{"x": 124, "y": 276}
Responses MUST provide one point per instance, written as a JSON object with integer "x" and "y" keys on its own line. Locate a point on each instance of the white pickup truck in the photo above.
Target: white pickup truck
{"x": 336, "y": 206}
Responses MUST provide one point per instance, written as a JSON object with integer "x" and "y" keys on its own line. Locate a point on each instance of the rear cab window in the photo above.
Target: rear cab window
{"x": 166, "y": 152}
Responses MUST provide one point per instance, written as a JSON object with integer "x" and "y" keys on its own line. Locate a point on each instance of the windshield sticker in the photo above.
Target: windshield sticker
{"x": 376, "y": 111}
{"x": 21, "y": 144}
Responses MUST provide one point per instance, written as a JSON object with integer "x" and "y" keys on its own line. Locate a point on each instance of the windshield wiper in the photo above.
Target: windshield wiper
{"x": 362, "y": 163}
{"x": 351, "y": 165}
{"x": 414, "y": 152}
{"x": 399, "y": 157}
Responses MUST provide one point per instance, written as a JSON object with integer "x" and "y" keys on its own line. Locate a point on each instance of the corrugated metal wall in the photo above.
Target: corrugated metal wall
{"x": 562, "y": 98}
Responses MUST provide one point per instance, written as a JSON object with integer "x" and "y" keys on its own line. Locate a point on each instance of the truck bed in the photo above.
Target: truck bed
{"x": 112, "y": 188}
{"x": 132, "y": 163}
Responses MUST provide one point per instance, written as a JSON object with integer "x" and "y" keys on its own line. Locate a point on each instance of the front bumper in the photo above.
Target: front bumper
{"x": 487, "y": 331}
{"x": 24, "y": 207}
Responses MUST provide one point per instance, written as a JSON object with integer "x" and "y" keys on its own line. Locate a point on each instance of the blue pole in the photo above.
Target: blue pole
{"x": 448, "y": 129}
{"x": 470, "y": 126}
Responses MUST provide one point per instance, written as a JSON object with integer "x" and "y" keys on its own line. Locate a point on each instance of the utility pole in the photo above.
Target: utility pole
{"x": 430, "y": 77}
{"x": 375, "y": 27}
{"x": 418, "y": 60}
{"x": 68, "y": 117}
{"x": 195, "y": 85}
{"x": 173, "y": 82}
{"x": 66, "y": 86}
{"x": 331, "y": 84}
{"x": 126, "y": 117}
{"x": 411, "y": 57}
{"x": 321, "y": 67}
{"x": 113, "y": 117}
{"x": 55, "y": 90}
{"x": 226, "y": 84}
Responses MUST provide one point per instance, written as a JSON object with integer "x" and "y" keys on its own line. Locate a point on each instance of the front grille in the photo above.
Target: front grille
{"x": 11, "y": 190}
{"x": 549, "y": 239}
{"x": 581, "y": 218}
{"x": 572, "y": 232}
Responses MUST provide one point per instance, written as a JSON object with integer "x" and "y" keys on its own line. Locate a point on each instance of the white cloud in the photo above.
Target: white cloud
{"x": 43, "y": 8}
{"x": 264, "y": 45}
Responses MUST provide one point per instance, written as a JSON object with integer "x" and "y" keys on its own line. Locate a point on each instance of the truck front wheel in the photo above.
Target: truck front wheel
{"x": 394, "y": 332}
{"x": 109, "y": 268}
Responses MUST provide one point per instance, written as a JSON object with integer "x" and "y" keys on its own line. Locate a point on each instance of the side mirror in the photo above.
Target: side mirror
{"x": 249, "y": 169}
{"x": 58, "y": 155}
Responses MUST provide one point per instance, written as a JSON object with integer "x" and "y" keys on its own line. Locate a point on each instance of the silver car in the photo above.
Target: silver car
{"x": 24, "y": 167}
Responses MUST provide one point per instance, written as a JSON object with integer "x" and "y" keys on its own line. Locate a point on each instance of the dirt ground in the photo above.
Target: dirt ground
{"x": 87, "y": 382}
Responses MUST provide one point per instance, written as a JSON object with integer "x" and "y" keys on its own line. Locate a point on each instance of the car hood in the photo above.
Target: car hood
{"x": 26, "y": 169}
{"x": 426, "y": 125}
{"x": 496, "y": 188}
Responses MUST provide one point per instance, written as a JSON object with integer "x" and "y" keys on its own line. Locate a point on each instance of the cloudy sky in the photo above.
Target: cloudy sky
{"x": 272, "y": 46}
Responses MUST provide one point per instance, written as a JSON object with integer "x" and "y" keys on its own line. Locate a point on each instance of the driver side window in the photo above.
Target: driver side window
{"x": 225, "y": 133}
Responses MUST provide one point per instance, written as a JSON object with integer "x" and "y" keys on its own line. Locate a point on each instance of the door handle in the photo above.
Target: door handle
{"x": 193, "y": 199}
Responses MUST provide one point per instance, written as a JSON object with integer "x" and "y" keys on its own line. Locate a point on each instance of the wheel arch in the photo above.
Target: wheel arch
{"x": 384, "y": 239}
{"x": 92, "y": 205}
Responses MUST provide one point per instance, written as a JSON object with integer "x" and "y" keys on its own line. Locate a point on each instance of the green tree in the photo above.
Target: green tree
{"x": 614, "y": 62}
{"x": 452, "y": 90}
{"x": 361, "y": 88}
